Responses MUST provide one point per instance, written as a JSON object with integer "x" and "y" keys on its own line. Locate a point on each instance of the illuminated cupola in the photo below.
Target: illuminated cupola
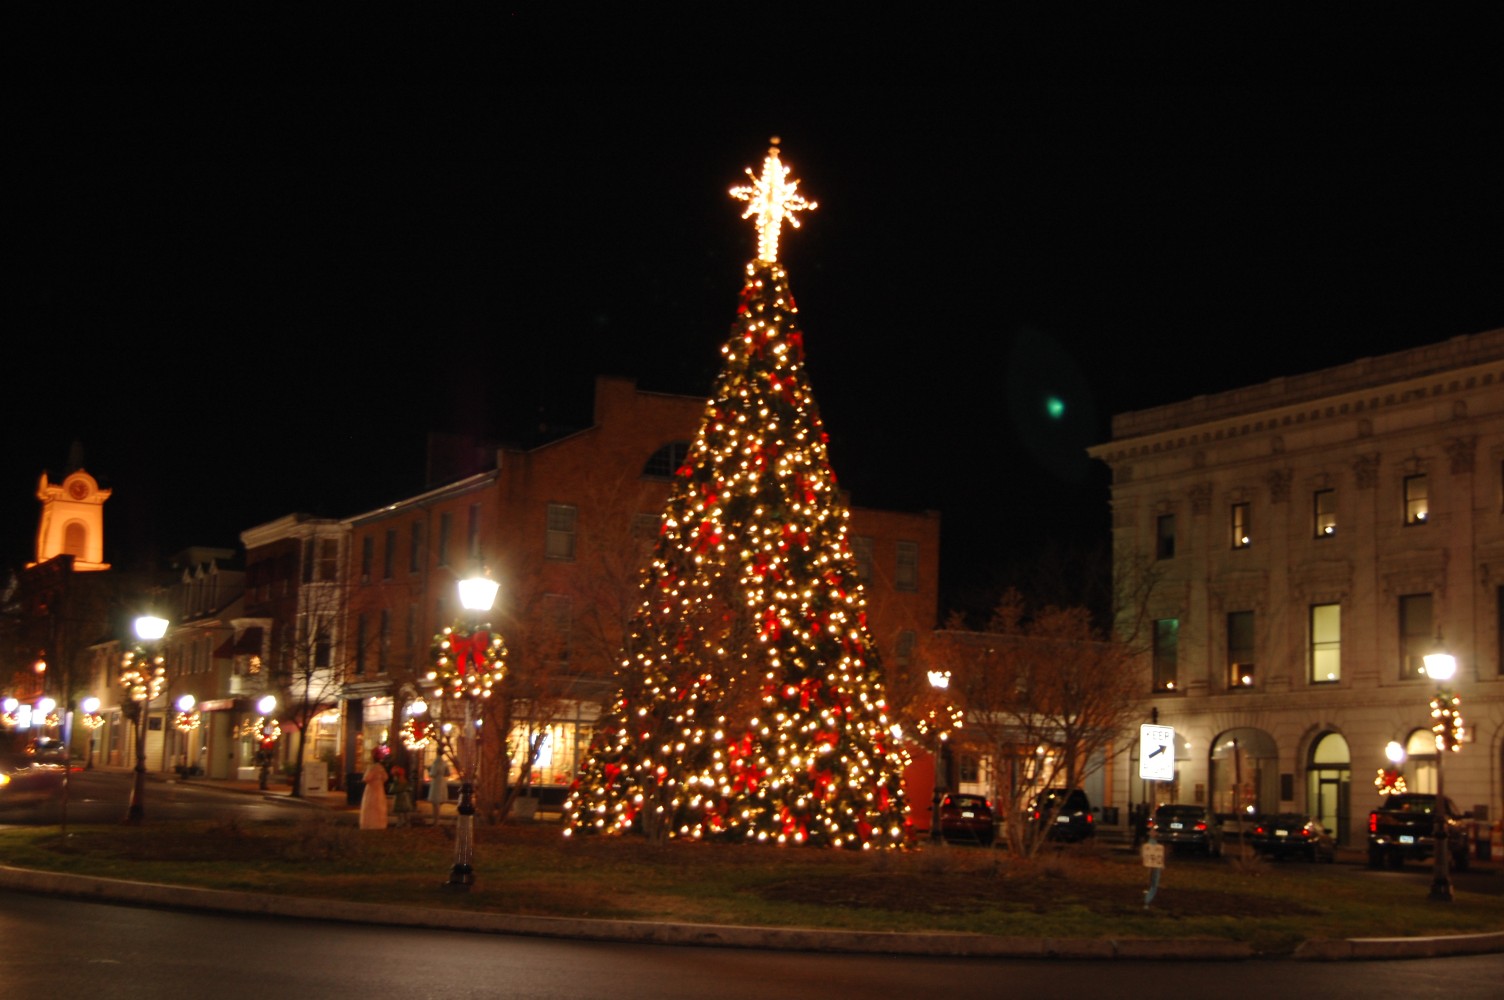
{"x": 72, "y": 521}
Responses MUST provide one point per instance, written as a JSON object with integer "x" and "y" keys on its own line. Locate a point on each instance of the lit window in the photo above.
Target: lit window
{"x": 1242, "y": 529}
{"x": 1326, "y": 643}
{"x": 559, "y": 543}
{"x": 1325, "y": 502}
{"x": 1240, "y": 650}
{"x": 1166, "y": 654}
{"x": 1417, "y": 506}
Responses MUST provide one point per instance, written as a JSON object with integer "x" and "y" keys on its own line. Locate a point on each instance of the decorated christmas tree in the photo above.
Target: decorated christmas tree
{"x": 751, "y": 702}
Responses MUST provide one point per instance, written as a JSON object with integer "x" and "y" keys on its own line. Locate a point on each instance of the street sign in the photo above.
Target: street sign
{"x": 1156, "y": 753}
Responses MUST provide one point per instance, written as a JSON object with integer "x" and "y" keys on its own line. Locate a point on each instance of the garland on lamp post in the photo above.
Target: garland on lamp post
{"x": 143, "y": 675}
{"x": 468, "y": 662}
{"x": 1446, "y": 710}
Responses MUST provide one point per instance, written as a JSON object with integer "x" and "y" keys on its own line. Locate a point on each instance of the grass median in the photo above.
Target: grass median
{"x": 1071, "y": 892}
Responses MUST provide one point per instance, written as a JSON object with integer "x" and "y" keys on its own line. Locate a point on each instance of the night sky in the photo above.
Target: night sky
{"x": 244, "y": 304}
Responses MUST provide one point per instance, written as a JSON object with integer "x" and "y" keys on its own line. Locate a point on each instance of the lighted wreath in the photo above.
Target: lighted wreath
{"x": 142, "y": 676}
{"x": 416, "y": 735}
{"x": 467, "y": 664}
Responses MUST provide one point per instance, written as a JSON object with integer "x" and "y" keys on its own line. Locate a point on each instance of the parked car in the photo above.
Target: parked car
{"x": 1071, "y": 811}
{"x": 1403, "y": 828}
{"x": 966, "y": 818}
{"x": 1186, "y": 827}
{"x": 1292, "y": 835}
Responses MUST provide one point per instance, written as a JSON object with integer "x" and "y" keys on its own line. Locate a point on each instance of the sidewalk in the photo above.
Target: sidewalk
{"x": 281, "y": 791}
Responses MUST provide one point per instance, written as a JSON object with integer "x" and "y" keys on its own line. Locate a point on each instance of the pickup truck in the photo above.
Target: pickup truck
{"x": 1403, "y": 828}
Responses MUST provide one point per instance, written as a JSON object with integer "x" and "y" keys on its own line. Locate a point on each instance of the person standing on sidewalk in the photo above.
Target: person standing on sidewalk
{"x": 373, "y": 799}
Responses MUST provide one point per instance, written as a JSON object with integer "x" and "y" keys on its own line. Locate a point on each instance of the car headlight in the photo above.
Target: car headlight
{"x": 4, "y": 780}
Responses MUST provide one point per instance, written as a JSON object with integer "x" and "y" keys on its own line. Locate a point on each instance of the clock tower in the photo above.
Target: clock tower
{"x": 72, "y": 521}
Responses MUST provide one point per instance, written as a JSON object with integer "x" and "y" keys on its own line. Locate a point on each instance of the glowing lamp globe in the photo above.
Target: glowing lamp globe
{"x": 478, "y": 593}
{"x": 1440, "y": 665}
{"x": 150, "y": 628}
{"x": 90, "y": 705}
{"x": 185, "y": 703}
{"x": 267, "y": 705}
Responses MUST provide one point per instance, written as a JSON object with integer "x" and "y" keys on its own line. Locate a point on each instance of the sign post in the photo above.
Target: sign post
{"x": 1156, "y": 762}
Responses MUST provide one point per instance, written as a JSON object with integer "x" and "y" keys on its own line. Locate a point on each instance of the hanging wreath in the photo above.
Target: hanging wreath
{"x": 416, "y": 735}
{"x": 467, "y": 664}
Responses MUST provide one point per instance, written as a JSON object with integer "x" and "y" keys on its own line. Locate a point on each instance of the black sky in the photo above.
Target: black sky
{"x": 245, "y": 304}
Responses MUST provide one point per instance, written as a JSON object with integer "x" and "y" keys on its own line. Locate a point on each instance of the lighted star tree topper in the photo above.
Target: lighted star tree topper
{"x": 751, "y": 703}
{"x": 773, "y": 198}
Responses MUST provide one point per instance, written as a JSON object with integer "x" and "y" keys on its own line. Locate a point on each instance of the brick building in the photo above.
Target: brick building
{"x": 565, "y": 527}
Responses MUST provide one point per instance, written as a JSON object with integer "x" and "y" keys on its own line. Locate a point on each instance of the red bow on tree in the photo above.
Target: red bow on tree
{"x": 471, "y": 650}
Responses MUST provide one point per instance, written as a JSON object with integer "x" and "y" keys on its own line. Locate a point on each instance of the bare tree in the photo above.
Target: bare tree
{"x": 311, "y": 663}
{"x": 566, "y": 628}
{"x": 1048, "y": 697}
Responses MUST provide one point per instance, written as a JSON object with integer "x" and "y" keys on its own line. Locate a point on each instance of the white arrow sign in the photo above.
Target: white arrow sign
{"x": 1156, "y": 753}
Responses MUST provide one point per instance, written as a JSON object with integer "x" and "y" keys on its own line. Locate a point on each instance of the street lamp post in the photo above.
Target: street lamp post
{"x": 186, "y": 722}
{"x": 939, "y": 681}
{"x": 268, "y": 730}
{"x": 92, "y": 721}
{"x": 143, "y": 675}
{"x": 469, "y": 660}
{"x": 1441, "y": 666}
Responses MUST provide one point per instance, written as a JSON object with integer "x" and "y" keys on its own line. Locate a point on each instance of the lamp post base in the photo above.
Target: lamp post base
{"x": 1441, "y": 890}
{"x": 461, "y": 877}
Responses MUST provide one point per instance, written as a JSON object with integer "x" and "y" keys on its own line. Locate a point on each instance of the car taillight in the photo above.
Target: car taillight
{"x": 1089, "y": 819}
{"x": 1036, "y": 813}
{"x": 1259, "y": 831}
{"x": 1373, "y": 822}
{"x": 1201, "y": 826}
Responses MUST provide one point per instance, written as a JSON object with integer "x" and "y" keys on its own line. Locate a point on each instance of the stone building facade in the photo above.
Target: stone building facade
{"x": 1309, "y": 539}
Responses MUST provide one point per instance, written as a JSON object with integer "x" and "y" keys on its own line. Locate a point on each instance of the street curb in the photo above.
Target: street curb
{"x": 94, "y": 889}
{"x": 1425, "y": 947}
{"x": 945, "y": 944}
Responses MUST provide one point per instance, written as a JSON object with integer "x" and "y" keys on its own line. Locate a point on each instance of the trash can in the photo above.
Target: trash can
{"x": 354, "y": 788}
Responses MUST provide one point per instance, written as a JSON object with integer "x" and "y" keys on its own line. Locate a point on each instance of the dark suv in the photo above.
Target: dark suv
{"x": 1071, "y": 810}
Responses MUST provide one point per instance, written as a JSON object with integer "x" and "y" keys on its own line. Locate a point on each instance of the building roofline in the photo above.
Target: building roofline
{"x": 1292, "y": 390}
{"x": 457, "y": 488}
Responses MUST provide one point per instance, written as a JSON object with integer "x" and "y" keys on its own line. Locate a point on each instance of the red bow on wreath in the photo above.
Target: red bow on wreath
{"x": 471, "y": 650}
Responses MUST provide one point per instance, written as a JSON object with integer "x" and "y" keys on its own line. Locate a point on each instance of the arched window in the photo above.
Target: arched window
{"x": 76, "y": 540}
{"x": 1245, "y": 773}
{"x": 1420, "y": 750}
{"x": 666, "y": 460}
{"x": 1329, "y": 784}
